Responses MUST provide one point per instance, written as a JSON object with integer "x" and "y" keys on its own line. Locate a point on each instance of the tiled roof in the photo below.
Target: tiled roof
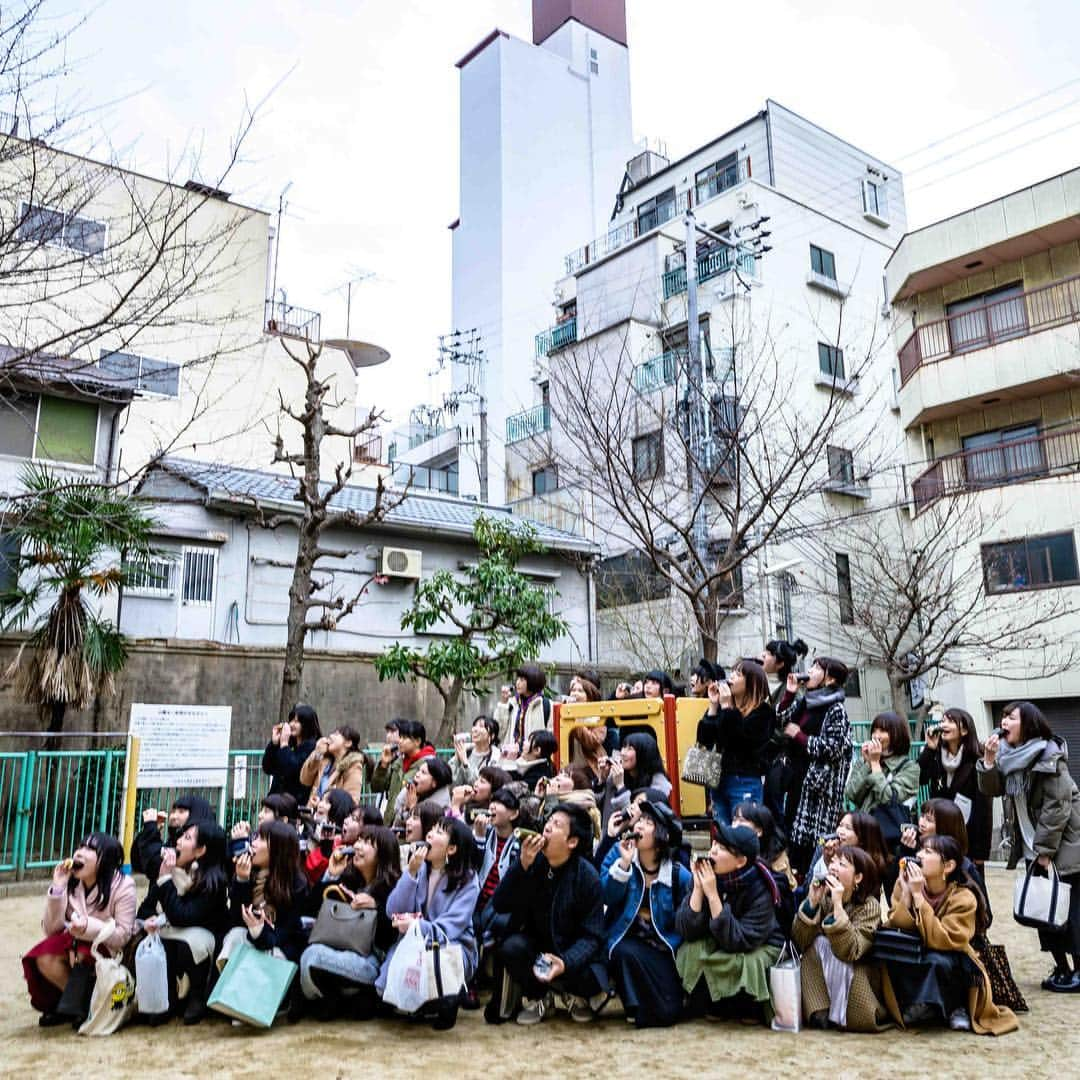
{"x": 419, "y": 510}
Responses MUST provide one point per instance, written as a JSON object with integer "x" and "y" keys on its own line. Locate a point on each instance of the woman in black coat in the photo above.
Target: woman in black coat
{"x": 947, "y": 767}
{"x": 739, "y": 723}
{"x": 290, "y": 745}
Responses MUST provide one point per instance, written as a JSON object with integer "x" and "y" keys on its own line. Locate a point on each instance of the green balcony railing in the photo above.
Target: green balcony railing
{"x": 657, "y": 372}
{"x": 558, "y": 337}
{"x": 708, "y": 266}
{"x": 524, "y": 425}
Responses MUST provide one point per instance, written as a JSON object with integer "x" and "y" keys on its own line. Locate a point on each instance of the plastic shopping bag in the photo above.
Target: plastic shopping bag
{"x": 151, "y": 977}
{"x": 406, "y": 978}
{"x": 785, "y": 984}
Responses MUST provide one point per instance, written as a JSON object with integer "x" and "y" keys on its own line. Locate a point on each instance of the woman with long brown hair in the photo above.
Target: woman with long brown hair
{"x": 739, "y": 722}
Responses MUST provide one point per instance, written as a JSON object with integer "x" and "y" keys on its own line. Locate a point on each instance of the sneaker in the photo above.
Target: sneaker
{"x": 919, "y": 1013}
{"x": 599, "y": 1001}
{"x": 53, "y": 1019}
{"x": 581, "y": 1011}
{"x": 1055, "y": 977}
{"x": 1067, "y": 982}
{"x": 959, "y": 1020}
{"x": 532, "y": 1012}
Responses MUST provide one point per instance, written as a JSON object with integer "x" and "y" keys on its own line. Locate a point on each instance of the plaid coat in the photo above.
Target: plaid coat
{"x": 821, "y": 802}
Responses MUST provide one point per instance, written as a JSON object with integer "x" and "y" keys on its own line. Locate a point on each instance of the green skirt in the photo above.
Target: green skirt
{"x": 725, "y": 973}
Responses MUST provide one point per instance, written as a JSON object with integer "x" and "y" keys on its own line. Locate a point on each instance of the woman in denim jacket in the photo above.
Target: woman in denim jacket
{"x": 643, "y": 888}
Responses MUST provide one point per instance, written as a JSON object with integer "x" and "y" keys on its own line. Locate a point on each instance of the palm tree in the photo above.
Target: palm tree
{"x": 78, "y": 540}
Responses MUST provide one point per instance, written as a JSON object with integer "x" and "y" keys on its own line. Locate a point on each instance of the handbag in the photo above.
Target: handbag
{"x": 891, "y": 816}
{"x": 785, "y": 989}
{"x": 151, "y": 977}
{"x": 702, "y": 767}
{"x": 341, "y": 926}
{"x": 1003, "y": 988}
{"x": 899, "y": 945}
{"x": 252, "y": 986}
{"x": 445, "y": 966}
{"x": 113, "y": 1000}
{"x": 406, "y": 976}
{"x": 1042, "y": 902}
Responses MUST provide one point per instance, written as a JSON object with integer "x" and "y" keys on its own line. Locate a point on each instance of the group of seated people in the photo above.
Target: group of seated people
{"x": 564, "y": 893}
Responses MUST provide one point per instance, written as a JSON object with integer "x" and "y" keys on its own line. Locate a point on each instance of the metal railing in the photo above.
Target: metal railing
{"x": 558, "y": 337}
{"x": 424, "y": 478}
{"x": 709, "y": 266}
{"x": 1012, "y": 462}
{"x": 524, "y": 425}
{"x": 291, "y": 321}
{"x": 626, "y": 233}
{"x": 368, "y": 451}
{"x": 1016, "y": 316}
{"x": 659, "y": 371}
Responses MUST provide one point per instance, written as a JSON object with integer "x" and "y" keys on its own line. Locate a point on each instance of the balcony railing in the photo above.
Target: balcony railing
{"x": 558, "y": 337}
{"x": 291, "y": 321}
{"x": 1012, "y": 462}
{"x": 1026, "y": 313}
{"x": 624, "y": 234}
{"x": 659, "y": 371}
{"x": 422, "y": 478}
{"x": 368, "y": 451}
{"x": 709, "y": 266}
{"x": 425, "y": 434}
{"x": 525, "y": 424}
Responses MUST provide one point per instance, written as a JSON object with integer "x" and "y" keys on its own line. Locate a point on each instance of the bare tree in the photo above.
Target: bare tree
{"x": 309, "y": 611}
{"x": 927, "y": 599}
{"x": 700, "y": 511}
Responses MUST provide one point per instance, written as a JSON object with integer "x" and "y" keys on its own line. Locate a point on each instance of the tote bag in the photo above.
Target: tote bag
{"x": 785, "y": 988}
{"x": 113, "y": 1000}
{"x": 340, "y": 926}
{"x": 252, "y": 986}
{"x": 1042, "y": 902}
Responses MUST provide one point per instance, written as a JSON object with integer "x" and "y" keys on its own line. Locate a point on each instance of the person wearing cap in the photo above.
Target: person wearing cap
{"x": 555, "y": 910}
{"x": 730, "y": 932}
{"x": 643, "y": 888}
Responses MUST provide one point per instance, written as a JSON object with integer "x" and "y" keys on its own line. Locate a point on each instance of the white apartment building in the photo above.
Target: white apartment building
{"x": 161, "y": 289}
{"x": 986, "y": 316}
{"x": 814, "y": 305}
{"x": 545, "y": 136}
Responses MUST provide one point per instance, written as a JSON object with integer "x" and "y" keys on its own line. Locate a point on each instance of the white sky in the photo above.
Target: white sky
{"x": 365, "y": 126}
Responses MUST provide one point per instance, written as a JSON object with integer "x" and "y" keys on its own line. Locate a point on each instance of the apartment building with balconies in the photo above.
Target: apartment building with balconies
{"x": 987, "y": 336}
{"x": 813, "y": 303}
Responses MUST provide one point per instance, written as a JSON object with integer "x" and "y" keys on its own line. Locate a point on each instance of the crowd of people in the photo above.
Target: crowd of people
{"x": 567, "y": 889}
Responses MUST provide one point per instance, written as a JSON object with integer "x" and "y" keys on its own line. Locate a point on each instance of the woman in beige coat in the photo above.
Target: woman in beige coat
{"x": 834, "y": 929}
{"x": 336, "y": 762}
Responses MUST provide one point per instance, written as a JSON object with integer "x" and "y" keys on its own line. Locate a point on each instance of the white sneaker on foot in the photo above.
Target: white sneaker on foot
{"x": 532, "y": 1012}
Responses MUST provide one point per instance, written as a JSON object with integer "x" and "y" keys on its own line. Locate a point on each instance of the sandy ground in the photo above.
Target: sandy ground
{"x": 1046, "y": 1044}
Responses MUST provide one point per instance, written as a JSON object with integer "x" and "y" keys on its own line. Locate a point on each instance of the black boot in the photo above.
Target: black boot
{"x": 74, "y": 1003}
{"x": 195, "y": 1006}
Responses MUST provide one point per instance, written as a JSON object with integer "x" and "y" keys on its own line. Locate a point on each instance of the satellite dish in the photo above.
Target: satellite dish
{"x": 360, "y": 353}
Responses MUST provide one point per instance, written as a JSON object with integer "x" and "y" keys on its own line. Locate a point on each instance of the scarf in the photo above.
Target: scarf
{"x": 258, "y": 894}
{"x": 935, "y": 901}
{"x": 1013, "y": 762}
{"x": 951, "y": 762}
{"x": 427, "y": 750}
{"x": 729, "y": 883}
{"x": 824, "y": 697}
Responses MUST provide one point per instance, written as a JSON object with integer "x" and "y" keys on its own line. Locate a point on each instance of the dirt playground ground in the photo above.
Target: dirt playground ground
{"x": 1047, "y": 1044}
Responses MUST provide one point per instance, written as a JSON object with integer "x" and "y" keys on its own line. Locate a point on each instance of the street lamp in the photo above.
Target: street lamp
{"x": 361, "y": 354}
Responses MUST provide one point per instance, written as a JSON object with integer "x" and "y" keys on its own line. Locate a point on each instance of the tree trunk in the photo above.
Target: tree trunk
{"x": 451, "y": 708}
{"x": 901, "y": 703}
{"x": 57, "y": 709}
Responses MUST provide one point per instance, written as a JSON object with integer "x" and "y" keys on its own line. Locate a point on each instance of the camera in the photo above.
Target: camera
{"x": 802, "y": 677}
{"x": 933, "y": 729}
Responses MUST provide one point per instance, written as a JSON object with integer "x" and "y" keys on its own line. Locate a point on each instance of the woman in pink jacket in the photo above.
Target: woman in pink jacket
{"x": 87, "y": 891}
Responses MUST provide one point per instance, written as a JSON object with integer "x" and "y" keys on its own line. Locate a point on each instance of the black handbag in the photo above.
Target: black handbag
{"x": 901, "y": 945}
{"x": 1003, "y": 988}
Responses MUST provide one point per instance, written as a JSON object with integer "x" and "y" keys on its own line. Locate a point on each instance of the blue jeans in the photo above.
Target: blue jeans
{"x": 732, "y": 791}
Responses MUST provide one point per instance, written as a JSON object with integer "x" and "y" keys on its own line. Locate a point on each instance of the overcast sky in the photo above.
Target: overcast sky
{"x": 364, "y": 118}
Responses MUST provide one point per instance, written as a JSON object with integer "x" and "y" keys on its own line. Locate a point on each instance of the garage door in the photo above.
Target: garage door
{"x": 1063, "y": 715}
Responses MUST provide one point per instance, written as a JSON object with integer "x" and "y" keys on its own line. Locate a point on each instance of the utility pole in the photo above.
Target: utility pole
{"x": 465, "y": 349}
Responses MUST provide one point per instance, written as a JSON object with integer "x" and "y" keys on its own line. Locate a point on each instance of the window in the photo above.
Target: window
{"x": 994, "y": 457}
{"x": 154, "y": 578}
{"x": 40, "y": 225}
{"x": 647, "y": 453}
{"x": 143, "y": 373}
{"x": 9, "y": 562}
{"x": 822, "y": 262}
{"x": 853, "y": 686}
{"x": 1037, "y": 562}
{"x": 656, "y": 211}
{"x": 594, "y": 62}
{"x": 985, "y": 319}
{"x": 545, "y": 480}
{"x": 629, "y": 579}
{"x": 66, "y": 430}
{"x": 730, "y": 588}
{"x": 873, "y": 199}
{"x": 843, "y": 589}
{"x": 841, "y": 465}
{"x": 676, "y": 341}
{"x": 830, "y": 360}
{"x": 199, "y": 566}
{"x": 718, "y": 177}
{"x": 18, "y": 424}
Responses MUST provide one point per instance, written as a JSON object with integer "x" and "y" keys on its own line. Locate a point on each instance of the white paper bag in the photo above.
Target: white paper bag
{"x": 785, "y": 986}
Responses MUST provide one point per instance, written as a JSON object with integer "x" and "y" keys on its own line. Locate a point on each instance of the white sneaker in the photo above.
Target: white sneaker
{"x": 959, "y": 1020}
{"x": 581, "y": 1011}
{"x": 532, "y": 1012}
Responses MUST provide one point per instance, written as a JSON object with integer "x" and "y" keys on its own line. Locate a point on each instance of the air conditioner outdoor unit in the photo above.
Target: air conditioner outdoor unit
{"x": 400, "y": 562}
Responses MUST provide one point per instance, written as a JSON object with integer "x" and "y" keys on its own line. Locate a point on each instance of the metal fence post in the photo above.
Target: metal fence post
{"x": 22, "y": 812}
{"x": 105, "y": 793}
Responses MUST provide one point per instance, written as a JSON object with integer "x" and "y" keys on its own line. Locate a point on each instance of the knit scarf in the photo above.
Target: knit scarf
{"x": 824, "y": 697}
{"x": 1013, "y": 762}
{"x": 733, "y": 882}
{"x": 427, "y": 750}
{"x": 951, "y": 762}
{"x": 258, "y": 894}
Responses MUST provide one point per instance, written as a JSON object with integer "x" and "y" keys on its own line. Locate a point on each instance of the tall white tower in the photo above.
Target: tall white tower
{"x": 545, "y": 137}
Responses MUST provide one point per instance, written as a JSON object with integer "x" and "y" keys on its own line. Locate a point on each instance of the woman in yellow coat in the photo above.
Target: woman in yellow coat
{"x": 934, "y": 901}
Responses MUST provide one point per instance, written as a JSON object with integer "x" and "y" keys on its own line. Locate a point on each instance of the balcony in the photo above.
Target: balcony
{"x": 657, "y": 372}
{"x": 709, "y": 266}
{"x": 558, "y": 337}
{"x": 524, "y": 425}
{"x": 561, "y": 509}
{"x": 1017, "y": 316}
{"x": 422, "y": 478}
{"x": 368, "y": 450}
{"x": 624, "y": 234}
{"x": 1050, "y": 454}
{"x": 288, "y": 320}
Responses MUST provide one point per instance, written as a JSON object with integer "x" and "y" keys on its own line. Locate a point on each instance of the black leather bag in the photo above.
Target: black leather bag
{"x": 900, "y": 945}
